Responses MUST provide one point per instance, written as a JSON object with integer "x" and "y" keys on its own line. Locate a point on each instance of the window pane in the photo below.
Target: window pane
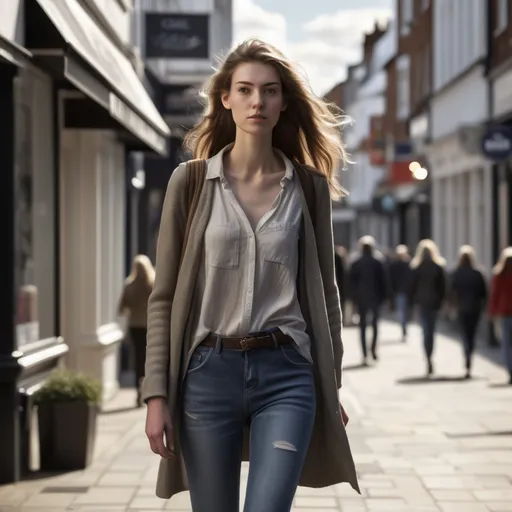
{"x": 35, "y": 210}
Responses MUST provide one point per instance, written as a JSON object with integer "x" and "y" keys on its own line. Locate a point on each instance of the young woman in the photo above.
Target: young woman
{"x": 134, "y": 304}
{"x": 468, "y": 292}
{"x": 500, "y": 304}
{"x": 244, "y": 338}
{"x": 428, "y": 289}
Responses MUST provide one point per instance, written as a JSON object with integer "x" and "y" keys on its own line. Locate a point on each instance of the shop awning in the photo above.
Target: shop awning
{"x": 121, "y": 93}
{"x": 13, "y": 53}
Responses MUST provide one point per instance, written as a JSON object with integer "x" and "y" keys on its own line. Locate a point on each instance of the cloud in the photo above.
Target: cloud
{"x": 330, "y": 42}
{"x": 251, "y": 20}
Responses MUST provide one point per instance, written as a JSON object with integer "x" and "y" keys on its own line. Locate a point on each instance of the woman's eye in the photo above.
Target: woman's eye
{"x": 271, "y": 92}
{"x": 243, "y": 90}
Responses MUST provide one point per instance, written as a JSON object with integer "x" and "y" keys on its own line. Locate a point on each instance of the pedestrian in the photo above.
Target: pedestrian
{"x": 340, "y": 266}
{"x": 244, "y": 337}
{"x": 134, "y": 304}
{"x": 428, "y": 289}
{"x": 468, "y": 293}
{"x": 369, "y": 289}
{"x": 500, "y": 304}
{"x": 400, "y": 279}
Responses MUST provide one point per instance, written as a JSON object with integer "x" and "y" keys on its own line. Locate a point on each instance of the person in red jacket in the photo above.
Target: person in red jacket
{"x": 500, "y": 303}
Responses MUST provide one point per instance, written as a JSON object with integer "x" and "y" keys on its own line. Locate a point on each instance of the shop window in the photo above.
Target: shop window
{"x": 34, "y": 210}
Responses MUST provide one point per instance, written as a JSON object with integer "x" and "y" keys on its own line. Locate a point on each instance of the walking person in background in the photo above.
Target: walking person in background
{"x": 368, "y": 289}
{"x": 340, "y": 266}
{"x": 427, "y": 291}
{"x": 244, "y": 331}
{"x": 134, "y": 304}
{"x": 500, "y": 304}
{"x": 400, "y": 279}
{"x": 468, "y": 293}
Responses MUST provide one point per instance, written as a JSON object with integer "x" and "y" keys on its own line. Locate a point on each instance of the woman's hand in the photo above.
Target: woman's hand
{"x": 158, "y": 426}
{"x": 344, "y": 415}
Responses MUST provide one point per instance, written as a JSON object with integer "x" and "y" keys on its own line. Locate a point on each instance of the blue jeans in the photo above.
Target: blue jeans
{"x": 428, "y": 317}
{"x": 506, "y": 341}
{"x": 402, "y": 308}
{"x": 273, "y": 391}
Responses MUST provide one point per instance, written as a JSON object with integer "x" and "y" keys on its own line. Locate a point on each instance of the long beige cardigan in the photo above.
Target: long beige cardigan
{"x": 329, "y": 460}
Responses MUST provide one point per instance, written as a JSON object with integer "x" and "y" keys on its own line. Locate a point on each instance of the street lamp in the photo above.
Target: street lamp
{"x": 418, "y": 172}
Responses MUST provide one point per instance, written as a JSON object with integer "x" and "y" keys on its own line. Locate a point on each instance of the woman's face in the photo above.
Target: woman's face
{"x": 255, "y": 98}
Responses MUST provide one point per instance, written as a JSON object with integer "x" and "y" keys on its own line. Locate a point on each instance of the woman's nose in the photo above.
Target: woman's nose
{"x": 257, "y": 100}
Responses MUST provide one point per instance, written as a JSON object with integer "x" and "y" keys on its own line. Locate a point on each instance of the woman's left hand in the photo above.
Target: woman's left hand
{"x": 344, "y": 415}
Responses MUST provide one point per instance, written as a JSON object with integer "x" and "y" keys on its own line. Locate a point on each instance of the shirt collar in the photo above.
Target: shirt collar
{"x": 216, "y": 167}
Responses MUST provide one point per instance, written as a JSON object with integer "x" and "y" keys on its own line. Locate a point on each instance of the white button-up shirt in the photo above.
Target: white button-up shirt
{"x": 247, "y": 282}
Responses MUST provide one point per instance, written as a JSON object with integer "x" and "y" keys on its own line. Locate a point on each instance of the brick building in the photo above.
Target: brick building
{"x": 407, "y": 119}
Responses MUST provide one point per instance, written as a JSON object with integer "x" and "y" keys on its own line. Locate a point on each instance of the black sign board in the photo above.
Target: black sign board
{"x": 177, "y": 36}
{"x": 181, "y": 100}
{"x": 497, "y": 142}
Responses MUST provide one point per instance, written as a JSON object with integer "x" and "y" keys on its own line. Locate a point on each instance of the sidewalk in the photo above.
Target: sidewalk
{"x": 440, "y": 445}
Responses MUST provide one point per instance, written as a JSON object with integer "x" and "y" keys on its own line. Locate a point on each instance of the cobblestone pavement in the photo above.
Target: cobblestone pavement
{"x": 420, "y": 446}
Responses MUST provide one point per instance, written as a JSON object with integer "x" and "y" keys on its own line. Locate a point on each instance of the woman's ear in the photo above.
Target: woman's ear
{"x": 224, "y": 97}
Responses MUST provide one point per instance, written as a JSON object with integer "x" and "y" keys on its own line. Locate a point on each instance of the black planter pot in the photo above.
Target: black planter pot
{"x": 67, "y": 432}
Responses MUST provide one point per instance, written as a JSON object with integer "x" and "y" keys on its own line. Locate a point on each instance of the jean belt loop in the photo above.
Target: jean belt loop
{"x": 218, "y": 345}
{"x": 274, "y": 339}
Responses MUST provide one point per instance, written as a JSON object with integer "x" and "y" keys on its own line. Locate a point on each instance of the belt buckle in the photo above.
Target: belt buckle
{"x": 245, "y": 342}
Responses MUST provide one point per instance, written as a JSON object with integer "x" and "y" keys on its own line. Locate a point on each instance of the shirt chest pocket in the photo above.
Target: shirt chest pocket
{"x": 223, "y": 245}
{"x": 278, "y": 242}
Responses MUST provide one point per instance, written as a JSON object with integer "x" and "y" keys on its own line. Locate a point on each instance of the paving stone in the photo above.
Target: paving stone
{"x": 315, "y": 502}
{"x": 50, "y": 500}
{"x": 462, "y": 506}
{"x": 500, "y": 506}
{"x": 107, "y": 496}
{"x": 490, "y": 495}
{"x": 449, "y": 495}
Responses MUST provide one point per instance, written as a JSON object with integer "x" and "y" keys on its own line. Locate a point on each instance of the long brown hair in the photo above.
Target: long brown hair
{"x": 504, "y": 262}
{"x": 308, "y": 131}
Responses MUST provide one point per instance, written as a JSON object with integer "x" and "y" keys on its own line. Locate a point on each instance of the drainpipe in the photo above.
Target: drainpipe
{"x": 491, "y": 334}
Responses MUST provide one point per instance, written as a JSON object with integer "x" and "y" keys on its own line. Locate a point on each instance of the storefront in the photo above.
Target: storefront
{"x": 72, "y": 108}
{"x": 499, "y": 150}
{"x": 461, "y": 180}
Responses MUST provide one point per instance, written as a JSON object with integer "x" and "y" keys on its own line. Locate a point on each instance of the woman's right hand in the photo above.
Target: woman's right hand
{"x": 159, "y": 426}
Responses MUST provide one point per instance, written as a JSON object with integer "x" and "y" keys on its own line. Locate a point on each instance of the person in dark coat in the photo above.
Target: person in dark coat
{"x": 340, "y": 267}
{"x": 427, "y": 291}
{"x": 468, "y": 294}
{"x": 400, "y": 279}
{"x": 368, "y": 289}
{"x": 500, "y": 304}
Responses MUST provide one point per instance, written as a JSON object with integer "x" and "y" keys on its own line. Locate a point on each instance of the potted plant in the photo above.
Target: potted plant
{"x": 68, "y": 404}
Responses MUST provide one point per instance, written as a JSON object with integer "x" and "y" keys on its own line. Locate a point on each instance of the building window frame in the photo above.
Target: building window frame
{"x": 403, "y": 86}
{"x": 502, "y": 16}
{"x": 407, "y": 16}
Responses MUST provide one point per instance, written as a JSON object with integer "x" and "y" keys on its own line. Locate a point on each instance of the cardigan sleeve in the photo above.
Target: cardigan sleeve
{"x": 325, "y": 246}
{"x": 170, "y": 236}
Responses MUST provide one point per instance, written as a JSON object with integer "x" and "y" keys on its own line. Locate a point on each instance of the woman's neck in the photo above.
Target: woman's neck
{"x": 251, "y": 156}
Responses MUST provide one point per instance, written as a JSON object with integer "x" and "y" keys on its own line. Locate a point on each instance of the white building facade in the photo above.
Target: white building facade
{"x": 364, "y": 176}
{"x": 461, "y": 177}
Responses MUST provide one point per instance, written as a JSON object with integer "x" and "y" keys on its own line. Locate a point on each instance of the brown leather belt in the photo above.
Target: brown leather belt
{"x": 254, "y": 341}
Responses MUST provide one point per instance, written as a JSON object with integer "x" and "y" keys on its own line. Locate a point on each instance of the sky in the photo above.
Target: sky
{"x": 321, "y": 36}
